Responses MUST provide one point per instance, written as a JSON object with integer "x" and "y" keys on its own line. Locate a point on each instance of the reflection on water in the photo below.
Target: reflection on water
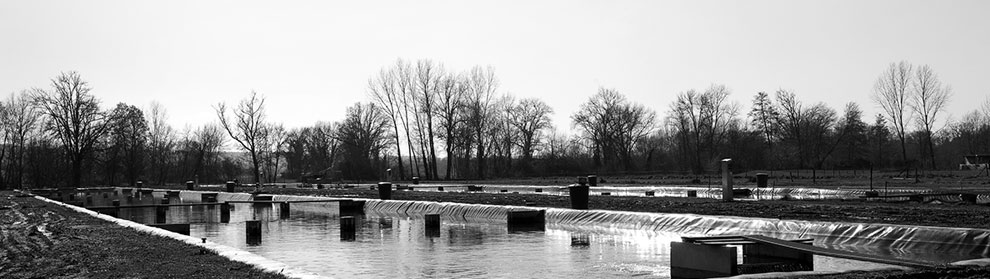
{"x": 399, "y": 246}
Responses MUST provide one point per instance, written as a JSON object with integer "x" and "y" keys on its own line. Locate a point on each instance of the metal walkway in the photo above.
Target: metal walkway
{"x": 801, "y": 245}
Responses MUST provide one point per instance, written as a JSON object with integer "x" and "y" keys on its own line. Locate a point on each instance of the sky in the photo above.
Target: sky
{"x": 312, "y": 59}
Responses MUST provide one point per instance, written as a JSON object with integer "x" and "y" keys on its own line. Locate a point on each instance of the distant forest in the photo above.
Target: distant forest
{"x": 424, "y": 120}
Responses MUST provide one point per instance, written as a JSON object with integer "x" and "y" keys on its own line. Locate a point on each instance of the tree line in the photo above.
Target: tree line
{"x": 425, "y": 120}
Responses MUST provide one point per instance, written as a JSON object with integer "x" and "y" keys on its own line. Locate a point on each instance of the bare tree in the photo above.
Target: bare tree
{"x": 892, "y": 93}
{"x": 363, "y": 134}
{"x": 274, "y": 145}
{"x": 450, "y": 101}
{"x": 700, "y": 122}
{"x": 161, "y": 142}
{"x": 19, "y": 121}
{"x": 74, "y": 117}
{"x": 614, "y": 126}
{"x": 928, "y": 100}
{"x": 208, "y": 140}
{"x": 385, "y": 92}
{"x": 481, "y": 93}
{"x": 529, "y": 117}
{"x": 247, "y": 128}
{"x": 128, "y": 139}
{"x": 428, "y": 77}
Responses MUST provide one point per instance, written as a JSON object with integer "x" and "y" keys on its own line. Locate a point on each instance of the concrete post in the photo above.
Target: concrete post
{"x": 190, "y": 185}
{"x": 727, "y": 179}
{"x": 384, "y": 190}
{"x": 579, "y": 196}
{"x": 351, "y": 207}
{"x": 283, "y": 210}
{"x": 651, "y": 193}
{"x": 432, "y": 225}
{"x": 160, "y": 212}
{"x": 253, "y": 229}
{"x": 348, "y": 228}
{"x": 440, "y": 188}
{"x": 526, "y": 220}
{"x": 230, "y": 186}
{"x": 592, "y": 180}
{"x": 225, "y": 212}
{"x": 415, "y": 180}
{"x": 761, "y": 180}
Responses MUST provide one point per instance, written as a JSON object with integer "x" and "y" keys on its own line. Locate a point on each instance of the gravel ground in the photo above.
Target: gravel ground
{"x": 42, "y": 240}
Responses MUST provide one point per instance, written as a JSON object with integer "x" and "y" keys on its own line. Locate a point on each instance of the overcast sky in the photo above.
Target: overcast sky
{"x": 312, "y": 59}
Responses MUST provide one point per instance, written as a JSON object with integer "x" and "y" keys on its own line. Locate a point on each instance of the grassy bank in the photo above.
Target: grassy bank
{"x": 42, "y": 240}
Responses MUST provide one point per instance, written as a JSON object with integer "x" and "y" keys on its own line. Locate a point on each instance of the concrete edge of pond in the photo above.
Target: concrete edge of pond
{"x": 231, "y": 253}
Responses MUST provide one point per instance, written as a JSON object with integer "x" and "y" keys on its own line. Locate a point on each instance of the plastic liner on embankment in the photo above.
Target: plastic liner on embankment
{"x": 900, "y": 240}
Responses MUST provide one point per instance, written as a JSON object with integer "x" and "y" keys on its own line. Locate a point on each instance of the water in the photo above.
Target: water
{"x": 391, "y": 242}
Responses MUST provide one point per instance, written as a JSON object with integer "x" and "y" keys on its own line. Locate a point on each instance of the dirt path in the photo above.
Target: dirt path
{"x": 41, "y": 240}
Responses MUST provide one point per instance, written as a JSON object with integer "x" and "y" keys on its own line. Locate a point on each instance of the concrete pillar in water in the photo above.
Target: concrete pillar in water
{"x": 350, "y": 207}
{"x": 190, "y": 185}
{"x": 432, "y": 225}
{"x": 692, "y": 193}
{"x": 579, "y": 196}
{"x": 651, "y": 193}
{"x": 283, "y": 210}
{"x": 230, "y": 186}
{"x": 225, "y": 212}
{"x": 415, "y": 180}
{"x": 160, "y": 212}
{"x": 592, "y": 180}
{"x": 580, "y": 240}
{"x": 384, "y": 190}
{"x": 727, "y": 179}
{"x": 253, "y": 229}
{"x": 526, "y": 220}
{"x": 440, "y": 188}
{"x": 348, "y": 228}
{"x": 539, "y": 190}
{"x": 115, "y": 211}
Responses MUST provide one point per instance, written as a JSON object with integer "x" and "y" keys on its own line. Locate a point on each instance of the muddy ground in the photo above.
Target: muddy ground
{"x": 42, "y": 240}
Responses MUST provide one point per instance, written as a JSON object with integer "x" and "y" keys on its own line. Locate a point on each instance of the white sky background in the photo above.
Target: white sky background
{"x": 312, "y": 59}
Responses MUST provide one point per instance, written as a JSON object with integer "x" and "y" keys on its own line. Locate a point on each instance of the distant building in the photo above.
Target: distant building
{"x": 975, "y": 162}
